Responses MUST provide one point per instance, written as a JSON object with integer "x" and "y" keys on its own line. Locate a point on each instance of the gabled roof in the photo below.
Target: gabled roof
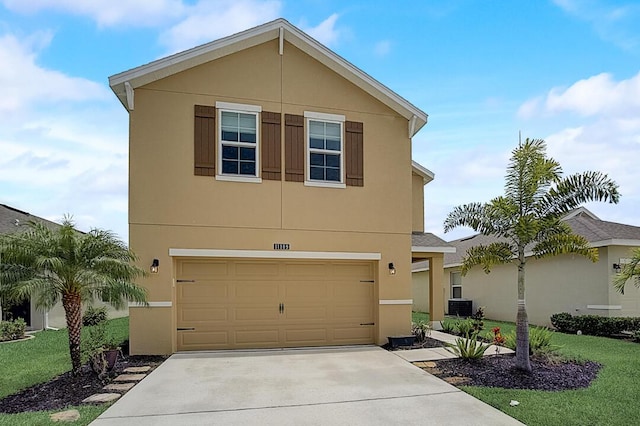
{"x": 598, "y": 232}
{"x": 14, "y": 220}
{"x": 420, "y": 170}
{"x": 124, "y": 83}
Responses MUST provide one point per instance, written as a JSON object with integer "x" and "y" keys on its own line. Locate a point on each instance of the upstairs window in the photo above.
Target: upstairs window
{"x": 325, "y": 149}
{"x": 238, "y": 141}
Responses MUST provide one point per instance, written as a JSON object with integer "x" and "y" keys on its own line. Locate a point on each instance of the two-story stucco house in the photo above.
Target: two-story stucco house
{"x": 271, "y": 186}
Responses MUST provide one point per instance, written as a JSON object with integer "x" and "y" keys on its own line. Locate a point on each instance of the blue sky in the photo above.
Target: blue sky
{"x": 567, "y": 71}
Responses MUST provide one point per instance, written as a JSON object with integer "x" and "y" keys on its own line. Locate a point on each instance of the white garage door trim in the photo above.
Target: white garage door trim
{"x": 265, "y": 254}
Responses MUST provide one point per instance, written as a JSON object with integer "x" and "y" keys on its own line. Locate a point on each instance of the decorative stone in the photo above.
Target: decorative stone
{"x": 130, "y": 377}
{"x": 429, "y": 364}
{"x": 65, "y": 416}
{"x": 456, "y": 380}
{"x": 101, "y": 397}
{"x": 119, "y": 387}
{"x": 137, "y": 369}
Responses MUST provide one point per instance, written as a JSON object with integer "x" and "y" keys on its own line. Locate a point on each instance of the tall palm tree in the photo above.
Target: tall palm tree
{"x": 69, "y": 266}
{"x": 629, "y": 271}
{"x": 528, "y": 216}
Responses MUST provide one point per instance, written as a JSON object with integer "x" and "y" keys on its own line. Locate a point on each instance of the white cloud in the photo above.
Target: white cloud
{"x": 614, "y": 23}
{"x": 597, "y": 95}
{"x": 325, "y": 32}
{"x": 208, "y": 21}
{"x": 106, "y": 12}
{"x": 382, "y": 48}
{"x": 23, "y": 82}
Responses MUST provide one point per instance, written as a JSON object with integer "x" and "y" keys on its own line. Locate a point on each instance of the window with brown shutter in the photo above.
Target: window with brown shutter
{"x": 354, "y": 153}
{"x": 271, "y": 147}
{"x": 294, "y": 147}
{"x": 204, "y": 141}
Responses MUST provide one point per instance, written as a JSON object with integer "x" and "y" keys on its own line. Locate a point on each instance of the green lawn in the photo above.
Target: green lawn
{"x": 610, "y": 400}
{"x": 39, "y": 360}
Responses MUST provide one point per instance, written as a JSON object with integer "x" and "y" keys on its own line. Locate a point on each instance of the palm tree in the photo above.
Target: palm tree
{"x": 629, "y": 270}
{"x": 68, "y": 265}
{"x": 528, "y": 216}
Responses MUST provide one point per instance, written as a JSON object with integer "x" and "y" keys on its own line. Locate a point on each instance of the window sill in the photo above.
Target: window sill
{"x": 324, "y": 184}
{"x": 245, "y": 179}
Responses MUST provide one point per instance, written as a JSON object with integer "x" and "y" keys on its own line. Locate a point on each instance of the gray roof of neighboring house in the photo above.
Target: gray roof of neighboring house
{"x": 426, "y": 239}
{"x": 598, "y": 232}
{"x": 13, "y": 220}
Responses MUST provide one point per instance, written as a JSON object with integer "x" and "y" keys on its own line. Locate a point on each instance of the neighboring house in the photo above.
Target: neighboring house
{"x": 12, "y": 221}
{"x": 565, "y": 283}
{"x": 271, "y": 185}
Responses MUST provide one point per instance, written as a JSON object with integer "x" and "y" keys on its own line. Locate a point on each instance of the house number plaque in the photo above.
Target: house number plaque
{"x": 280, "y": 246}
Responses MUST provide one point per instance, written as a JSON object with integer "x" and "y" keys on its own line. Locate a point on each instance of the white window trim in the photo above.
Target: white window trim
{"x": 329, "y": 118}
{"x": 243, "y": 109}
{"x": 452, "y": 285}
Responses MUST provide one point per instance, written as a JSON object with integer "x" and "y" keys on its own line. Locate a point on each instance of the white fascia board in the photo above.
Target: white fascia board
{"x": 578, "y": 211}
{"x": 418, "y": 249}
{"x": 266, "y": 254}
{"x": 420, "y": 170}
{"x": 615, "y": 242}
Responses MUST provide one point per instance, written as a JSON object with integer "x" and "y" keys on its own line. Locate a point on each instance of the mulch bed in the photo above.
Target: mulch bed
{"x": 499, "y": 371}
{"x": 427, "y": 343}
{"x": 67, "y": 389}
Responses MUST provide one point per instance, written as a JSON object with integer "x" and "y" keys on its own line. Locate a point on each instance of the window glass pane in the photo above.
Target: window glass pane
{"x": 332, "y": 130}
{"x": 317, "y": 159}
{"x": 333, "y": 161}
{"x": 316, "y": 143}
{"x": 229, "y": 119}
{"x": 333, "y": 144}
{"x": 457, "y": 292}
{"x": 456, "y": 278}
{"x": 230, "y": 167}
{"x": 230, "y": 135}
{"x": 316, "y": 128}
{"x": 247, "y": 168}
{"x": 248, "y": 137}
{"x": 333, "y": 175}
{"x": 247, "y": 154}
{"x": 229, "y": 152}
{"x": 248, "y": 122}
{"x": 316, "y": 173}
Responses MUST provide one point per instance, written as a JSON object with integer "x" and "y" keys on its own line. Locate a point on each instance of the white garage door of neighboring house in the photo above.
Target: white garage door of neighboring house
{"x": 247, "y": 303}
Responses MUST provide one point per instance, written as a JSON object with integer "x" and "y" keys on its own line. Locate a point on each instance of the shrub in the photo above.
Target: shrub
{"x": 464, "y": 327}
{"x": 636, "y": 336}
{"x": 593, "y": 324}
{"x": 421, "y": 330}
{"x": 539, "y": 341}
{"x": 468, "y": 347}
{"x": 12, "y": 330}
{"x": 448, "y": 326}
{"x": 478, "y": 319}
{"x": 94, "y": 316}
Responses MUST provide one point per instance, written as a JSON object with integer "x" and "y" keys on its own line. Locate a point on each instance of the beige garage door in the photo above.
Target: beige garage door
{"x": 233, "y": 303}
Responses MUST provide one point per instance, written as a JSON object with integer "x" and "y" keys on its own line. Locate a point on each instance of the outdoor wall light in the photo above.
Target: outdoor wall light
{"x": 392, "y": 269}
{"x": 154, "y": 266}
{"x": 617, "y": 268}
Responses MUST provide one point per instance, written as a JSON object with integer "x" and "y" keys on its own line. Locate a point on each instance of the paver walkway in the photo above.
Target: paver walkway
{"x": 433, "y": 354}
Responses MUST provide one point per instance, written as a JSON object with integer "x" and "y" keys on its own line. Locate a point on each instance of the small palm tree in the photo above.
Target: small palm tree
{"x": 69, "y": 266}
{"x": 629, "y": 271}
{"x": 529, "y": 216}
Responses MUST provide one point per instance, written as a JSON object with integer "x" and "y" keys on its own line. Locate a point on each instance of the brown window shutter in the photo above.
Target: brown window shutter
{"x": 294, "y": 148}
{"x": 271, "y": 147}
{"x": 204, "y": 141}
{"x": 354, "y": 153}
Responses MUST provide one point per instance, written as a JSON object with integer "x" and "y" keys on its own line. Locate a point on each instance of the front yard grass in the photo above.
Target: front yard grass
{"x": 610, "y": 400}
{"x": 39, "y": 360}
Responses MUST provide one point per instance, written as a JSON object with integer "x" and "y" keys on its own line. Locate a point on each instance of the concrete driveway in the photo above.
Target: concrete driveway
{"x": 363, "y": 385}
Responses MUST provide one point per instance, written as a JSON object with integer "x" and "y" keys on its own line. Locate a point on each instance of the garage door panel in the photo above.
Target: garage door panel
{"x": 202, "y": 290}
{"x": 271, "y": 336}
{"x": 202, "y": 268}
{"x": 252, "y": 290}
{"x": 193, "y": 314}
{"x": 255, "y": 313}
{"x": 237, "y": 303}
{"x": 261, "y": 269}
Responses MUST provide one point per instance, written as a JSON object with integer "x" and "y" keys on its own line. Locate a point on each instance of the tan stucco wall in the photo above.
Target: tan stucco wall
{"x": 567, "y": 283}
{"x": 420, "y": 289}
{"x": 169, "y": 207}
{"x": 417, "y": 202}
